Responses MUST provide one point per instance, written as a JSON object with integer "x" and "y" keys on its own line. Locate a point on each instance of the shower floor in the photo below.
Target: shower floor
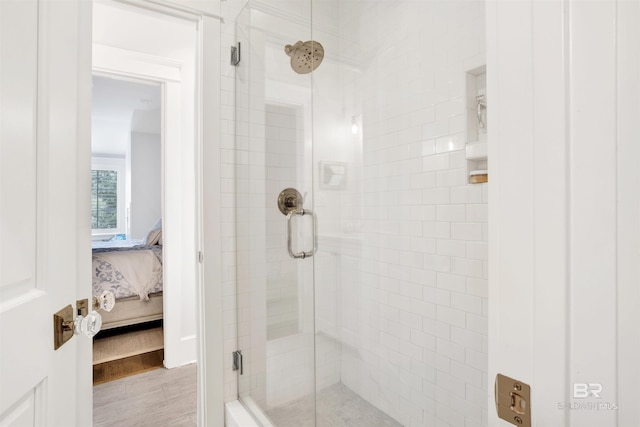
{"x": 338, "y": 406}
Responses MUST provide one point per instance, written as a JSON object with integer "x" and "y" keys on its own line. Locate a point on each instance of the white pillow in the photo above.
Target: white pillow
{"x": 154, "y": 236}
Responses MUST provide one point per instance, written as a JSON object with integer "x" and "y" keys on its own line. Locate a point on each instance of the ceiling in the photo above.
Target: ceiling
{"x": 120, "y": 107}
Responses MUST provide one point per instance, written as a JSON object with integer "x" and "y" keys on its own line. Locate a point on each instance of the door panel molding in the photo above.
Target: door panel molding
{"x": 628, "y": 82}
{"x": 28, "y": 409}
{"x": 564, "y": 207}
{"x": 44, "y": 231}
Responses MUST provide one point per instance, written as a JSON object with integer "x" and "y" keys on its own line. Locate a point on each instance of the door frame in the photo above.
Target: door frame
{"x": 135, "y": 66}
{"x": 209, "y": 294}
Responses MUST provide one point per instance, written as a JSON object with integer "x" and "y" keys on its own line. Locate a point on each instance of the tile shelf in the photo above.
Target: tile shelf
{"x": 476, "y": 150}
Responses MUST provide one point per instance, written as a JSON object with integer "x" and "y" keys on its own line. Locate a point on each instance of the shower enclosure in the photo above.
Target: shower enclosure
{"x": 360, "y": 212}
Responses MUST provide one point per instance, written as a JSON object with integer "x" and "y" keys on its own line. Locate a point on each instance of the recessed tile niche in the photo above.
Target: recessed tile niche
{"x": 477, "y": 125}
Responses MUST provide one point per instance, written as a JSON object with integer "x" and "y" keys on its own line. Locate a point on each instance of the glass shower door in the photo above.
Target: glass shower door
{"x": 274, "y": 221}
{"x": 385, "y": 324}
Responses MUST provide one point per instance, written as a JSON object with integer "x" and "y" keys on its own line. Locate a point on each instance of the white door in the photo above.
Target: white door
{"x": 564, "y": 208}
{"x": 44, "y": 243}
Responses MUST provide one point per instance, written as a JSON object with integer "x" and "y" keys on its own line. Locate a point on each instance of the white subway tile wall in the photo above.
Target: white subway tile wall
{"x": 401, "y": 274}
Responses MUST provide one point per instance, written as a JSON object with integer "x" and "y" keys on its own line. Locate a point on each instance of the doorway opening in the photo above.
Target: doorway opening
{"x": 152, "y": 59}
{"x": 126, "y": 211}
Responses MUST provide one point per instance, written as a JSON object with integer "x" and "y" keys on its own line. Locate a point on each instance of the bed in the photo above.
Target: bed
{"x": 132, "y": 271}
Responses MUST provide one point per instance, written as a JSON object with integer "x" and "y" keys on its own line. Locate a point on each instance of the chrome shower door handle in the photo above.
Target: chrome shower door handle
{"x": 303, "y": 254}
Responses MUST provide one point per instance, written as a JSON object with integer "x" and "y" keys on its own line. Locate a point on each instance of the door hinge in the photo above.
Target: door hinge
{"x": 235, "y": 55}
{"x": 237, "y": 361}
{"x": 200, "y": 257}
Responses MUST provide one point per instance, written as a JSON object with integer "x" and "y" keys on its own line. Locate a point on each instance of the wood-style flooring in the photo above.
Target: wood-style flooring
{"x": 109, "y": 345}
{"x": 127, "y": 366}
{"x": 158, "y": 398}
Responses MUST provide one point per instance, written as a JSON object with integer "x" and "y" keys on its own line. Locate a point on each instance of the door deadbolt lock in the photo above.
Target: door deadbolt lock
{"x": 513, "y": 400}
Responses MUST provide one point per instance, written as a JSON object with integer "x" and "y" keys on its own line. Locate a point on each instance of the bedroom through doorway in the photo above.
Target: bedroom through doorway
{"x": 126, "y": 218}
{"x": 158, "y": 52}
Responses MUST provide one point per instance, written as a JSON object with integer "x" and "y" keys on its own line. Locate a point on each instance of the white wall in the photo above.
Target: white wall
{"x": 146, "y": 183}
{"x": 111, "y": 136}
{"x": 416, "y": 313}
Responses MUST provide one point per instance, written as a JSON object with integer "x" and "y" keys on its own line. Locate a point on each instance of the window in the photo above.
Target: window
{"x": 107, "y": 197}
{"x": 104, "y": 199}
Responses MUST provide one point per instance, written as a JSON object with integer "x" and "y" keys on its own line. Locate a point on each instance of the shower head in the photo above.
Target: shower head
{"x": 305, "y": 57}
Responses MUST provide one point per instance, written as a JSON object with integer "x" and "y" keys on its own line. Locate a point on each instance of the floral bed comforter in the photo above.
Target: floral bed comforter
{"x": 127, "y": 271}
